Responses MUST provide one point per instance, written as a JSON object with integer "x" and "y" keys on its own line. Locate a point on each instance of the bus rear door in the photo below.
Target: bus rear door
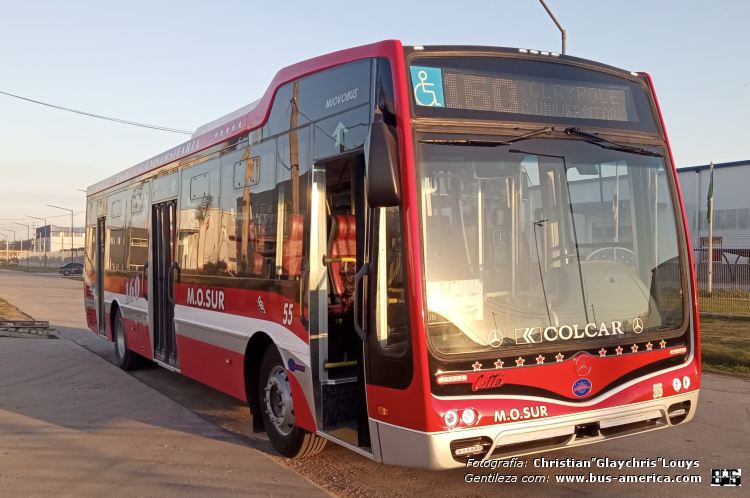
{"x": 101, "y": 239}
{"x": 163, "y": 268}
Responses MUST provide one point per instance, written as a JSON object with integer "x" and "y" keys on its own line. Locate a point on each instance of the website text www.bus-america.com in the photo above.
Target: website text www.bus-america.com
{"x": 657, "y": 467}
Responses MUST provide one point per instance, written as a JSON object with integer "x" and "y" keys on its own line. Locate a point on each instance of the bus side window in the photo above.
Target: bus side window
{"x": 198, "y": 229}
{"x": 91, "y": 217}
{"x": 137, "y": 229}
{"x": 115, "y": 254}
{"x": 252, "y": 231}
{"x": 238, "y": 170}
{"x": 391, "y": 310}
{"x": 278, "y": 118}
{"x": 292, "y": 180}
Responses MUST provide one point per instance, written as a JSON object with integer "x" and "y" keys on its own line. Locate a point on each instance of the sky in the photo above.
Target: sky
{"x": 180, "y": 64}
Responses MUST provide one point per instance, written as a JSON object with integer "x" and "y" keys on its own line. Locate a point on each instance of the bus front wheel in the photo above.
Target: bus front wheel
{"x": 277, "y": 410}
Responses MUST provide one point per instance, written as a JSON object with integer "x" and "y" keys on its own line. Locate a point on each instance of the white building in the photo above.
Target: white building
{"x": 731, "y": 209}
{"x": 56, "y": 238}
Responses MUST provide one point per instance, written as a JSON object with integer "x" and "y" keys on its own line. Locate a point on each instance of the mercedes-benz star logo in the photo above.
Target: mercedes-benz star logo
{"x": 637, "y": 325}
{"x": 495, "y": 338}
{"x": 582, "y": 366}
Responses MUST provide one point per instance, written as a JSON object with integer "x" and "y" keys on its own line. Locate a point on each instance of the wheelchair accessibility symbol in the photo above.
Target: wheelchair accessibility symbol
{"x": 428, "y": 86}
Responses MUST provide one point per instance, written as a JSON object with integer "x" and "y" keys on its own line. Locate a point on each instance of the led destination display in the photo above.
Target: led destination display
{"x": 540, "y": 98}
{"x": 516, "y": 94}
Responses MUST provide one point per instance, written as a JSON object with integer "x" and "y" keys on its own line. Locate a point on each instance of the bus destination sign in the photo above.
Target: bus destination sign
{"x": 443, "y": 87}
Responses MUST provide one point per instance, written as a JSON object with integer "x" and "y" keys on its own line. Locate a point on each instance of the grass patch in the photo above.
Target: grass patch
{"x": 725, "y": 345}
{"x": 10, "y": 312}
{"x": 720, "y": 301}
{"x": 725, "y": 303}
{"x": 720, "y": 369}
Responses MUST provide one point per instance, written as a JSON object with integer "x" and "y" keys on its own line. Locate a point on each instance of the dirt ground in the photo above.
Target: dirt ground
{"x": 10, "y": 312}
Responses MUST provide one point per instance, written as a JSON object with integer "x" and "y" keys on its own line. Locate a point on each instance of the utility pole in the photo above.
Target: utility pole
{"x": 564, "y": 33}
{"x": 711, "y": 232}
{"x": 71, "y": 228}
{"x": 29, "y": 239}
{"x": 45, "y": 242}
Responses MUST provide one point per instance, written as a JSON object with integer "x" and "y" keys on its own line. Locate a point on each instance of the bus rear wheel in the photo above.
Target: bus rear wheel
{"x": 277, "y": 410}
{"x": 126, "y": 359}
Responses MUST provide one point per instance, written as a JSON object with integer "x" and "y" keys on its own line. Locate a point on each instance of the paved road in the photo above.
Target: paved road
{"x": 72, "y": 424}
{"x": 719, "y": 436}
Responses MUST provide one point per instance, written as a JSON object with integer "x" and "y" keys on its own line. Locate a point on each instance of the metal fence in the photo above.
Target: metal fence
{"x": 55, "y": 259}
{"x": 730, "y": 293}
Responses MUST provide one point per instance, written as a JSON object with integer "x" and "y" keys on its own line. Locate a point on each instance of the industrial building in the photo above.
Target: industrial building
{"x": 51, "y": 238}
{"x": 731, "y": 199}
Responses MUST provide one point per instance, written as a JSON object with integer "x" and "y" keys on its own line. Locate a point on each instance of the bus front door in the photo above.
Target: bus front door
{"x": 163, "y": 270}
{"x": 336, "y": 255}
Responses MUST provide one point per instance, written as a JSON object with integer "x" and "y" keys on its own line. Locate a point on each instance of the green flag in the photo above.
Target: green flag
{"x": 710, "y": 196}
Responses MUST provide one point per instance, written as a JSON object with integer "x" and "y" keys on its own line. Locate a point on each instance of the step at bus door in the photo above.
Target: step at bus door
{"x": 164, "y": 272}
{"x": 101, "y": 239}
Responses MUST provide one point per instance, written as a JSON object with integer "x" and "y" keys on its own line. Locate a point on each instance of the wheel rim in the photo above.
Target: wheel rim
{"x": 120, "y": 339}
{"x": 278, "y": 399}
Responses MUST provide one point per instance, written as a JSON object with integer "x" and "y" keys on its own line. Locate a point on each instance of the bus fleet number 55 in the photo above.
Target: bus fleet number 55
{"x": 288, "y": 313}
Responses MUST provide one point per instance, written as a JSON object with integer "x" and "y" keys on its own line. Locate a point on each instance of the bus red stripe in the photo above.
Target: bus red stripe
{"x": 217, "y": 367}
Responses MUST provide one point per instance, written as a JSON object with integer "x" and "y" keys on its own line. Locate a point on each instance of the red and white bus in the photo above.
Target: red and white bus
{"x": 425, "y": 254}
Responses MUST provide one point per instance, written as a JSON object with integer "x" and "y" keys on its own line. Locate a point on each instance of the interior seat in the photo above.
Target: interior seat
{"x": 342, "y": 244}
{"x": 256, "y": 260}
{"x": 292, "y": 251}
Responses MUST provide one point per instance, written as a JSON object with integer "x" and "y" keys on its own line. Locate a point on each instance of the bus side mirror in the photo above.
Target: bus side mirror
{"x": 381, "y": 154}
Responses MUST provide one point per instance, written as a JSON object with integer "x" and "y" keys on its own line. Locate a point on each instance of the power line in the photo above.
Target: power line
{"x": 47, "y": 218}
{"x": 98, "y": 116}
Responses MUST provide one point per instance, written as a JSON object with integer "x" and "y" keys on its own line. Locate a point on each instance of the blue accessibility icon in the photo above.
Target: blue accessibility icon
{"x": 428, "y": 86}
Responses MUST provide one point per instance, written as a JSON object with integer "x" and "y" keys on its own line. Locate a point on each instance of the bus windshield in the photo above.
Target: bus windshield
{"x": 546, "y": 242}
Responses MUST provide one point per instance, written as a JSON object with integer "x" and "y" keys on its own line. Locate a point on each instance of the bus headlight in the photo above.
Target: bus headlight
{"x": 469, "y": 417}
{"x": 676, "y": 384}
{"x": 686, "y": 382}
{"x": 451, "y": 418}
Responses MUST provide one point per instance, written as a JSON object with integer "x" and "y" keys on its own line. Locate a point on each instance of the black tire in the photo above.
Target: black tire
{"x": 66, "y": 273}
{"x": 288, "y": 439}
{"x": 126, "y": 359}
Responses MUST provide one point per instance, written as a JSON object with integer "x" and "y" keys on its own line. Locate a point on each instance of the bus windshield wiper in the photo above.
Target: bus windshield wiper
{"x": 487, "y": 143}
{"x": 600, "y": 142}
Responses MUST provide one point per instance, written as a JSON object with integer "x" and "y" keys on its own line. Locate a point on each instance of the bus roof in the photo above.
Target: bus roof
{"x": 251, "y": 116}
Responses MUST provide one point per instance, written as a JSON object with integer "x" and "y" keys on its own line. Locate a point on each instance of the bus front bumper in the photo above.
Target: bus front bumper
{"x": 436, "y": 450}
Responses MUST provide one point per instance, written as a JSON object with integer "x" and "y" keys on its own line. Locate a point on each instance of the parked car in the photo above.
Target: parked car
{"x": 69, "y": 269}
